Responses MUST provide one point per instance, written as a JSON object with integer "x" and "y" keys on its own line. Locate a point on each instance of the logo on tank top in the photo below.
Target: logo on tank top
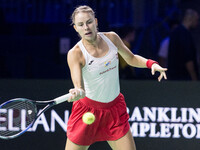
{"x": 107, "y": 63}
{"x": 90, "y": 63}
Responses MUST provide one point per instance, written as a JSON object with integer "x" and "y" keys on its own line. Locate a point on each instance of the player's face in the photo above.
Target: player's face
{"x": 195, "y": 21}
{"x": 86, "y": 25}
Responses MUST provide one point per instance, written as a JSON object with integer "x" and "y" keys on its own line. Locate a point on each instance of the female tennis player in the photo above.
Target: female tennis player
{"x": 93, "y": 64}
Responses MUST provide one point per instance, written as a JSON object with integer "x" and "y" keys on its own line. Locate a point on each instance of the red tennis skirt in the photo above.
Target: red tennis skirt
{"x": 111, "y": 121}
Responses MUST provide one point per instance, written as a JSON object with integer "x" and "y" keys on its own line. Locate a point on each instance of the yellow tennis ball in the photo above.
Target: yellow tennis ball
{"x": 88, "y": 118}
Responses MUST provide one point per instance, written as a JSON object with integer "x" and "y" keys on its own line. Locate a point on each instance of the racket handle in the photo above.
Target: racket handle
{"x": 62, "y": 98}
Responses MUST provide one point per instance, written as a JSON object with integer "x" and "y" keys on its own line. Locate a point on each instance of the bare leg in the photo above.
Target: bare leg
{"x": 124, "y": 143}
{"x": 72, "y": 146}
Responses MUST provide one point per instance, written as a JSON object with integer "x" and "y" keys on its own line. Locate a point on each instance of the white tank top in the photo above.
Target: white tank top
{"x": 101, "y": 75}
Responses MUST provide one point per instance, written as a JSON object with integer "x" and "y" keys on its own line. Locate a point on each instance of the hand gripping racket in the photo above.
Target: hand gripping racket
{"x": 19, "y": 114}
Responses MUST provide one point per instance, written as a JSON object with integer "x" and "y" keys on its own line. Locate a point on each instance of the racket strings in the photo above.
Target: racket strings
{"x": 16, "y": 122}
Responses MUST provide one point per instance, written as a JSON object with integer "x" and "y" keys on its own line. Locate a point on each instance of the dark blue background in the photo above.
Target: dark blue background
{"x": 30, "y": 31}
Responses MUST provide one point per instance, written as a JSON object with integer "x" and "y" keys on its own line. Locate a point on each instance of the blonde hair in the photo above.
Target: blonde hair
{"x": 79, "y": 9}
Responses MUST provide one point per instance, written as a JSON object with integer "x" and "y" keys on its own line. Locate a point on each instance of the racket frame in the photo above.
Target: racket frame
{"x": 48, "y": 104}
{"x": 29, "y": 126}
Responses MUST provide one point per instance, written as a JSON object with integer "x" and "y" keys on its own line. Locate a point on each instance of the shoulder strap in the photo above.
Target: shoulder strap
{"x": 80, "y": 44}
{"x": 107, "y": 40}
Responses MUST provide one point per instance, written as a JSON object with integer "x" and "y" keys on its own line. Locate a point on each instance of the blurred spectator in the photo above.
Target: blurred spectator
{"x": 127, "y": 34}
{"x": 182, "y": 59}
{"x": 164, "y": 45}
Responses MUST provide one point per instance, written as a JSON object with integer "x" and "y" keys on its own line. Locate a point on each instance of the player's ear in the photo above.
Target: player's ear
{"x": 75, "y": 27}
{"x": 96, "y": 21}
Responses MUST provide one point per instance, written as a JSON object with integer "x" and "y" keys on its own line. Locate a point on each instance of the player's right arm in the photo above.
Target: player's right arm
{"x": 76, "y": 61}
{"x": 132, "y": 59}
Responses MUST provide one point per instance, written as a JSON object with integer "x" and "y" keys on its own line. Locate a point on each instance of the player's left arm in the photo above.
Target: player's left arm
{"x": 135, "y": 60}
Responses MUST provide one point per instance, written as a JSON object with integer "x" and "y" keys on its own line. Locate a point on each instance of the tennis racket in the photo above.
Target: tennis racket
{"x": 19, "y": 114}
